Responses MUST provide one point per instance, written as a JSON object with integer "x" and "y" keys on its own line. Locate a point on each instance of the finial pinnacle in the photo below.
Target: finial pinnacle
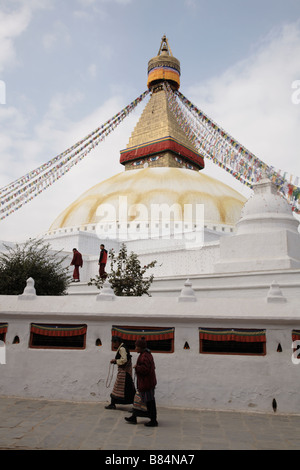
{"x": 164, "y": 46}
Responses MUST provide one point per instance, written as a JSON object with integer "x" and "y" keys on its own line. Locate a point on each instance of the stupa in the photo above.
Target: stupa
{"x": 225, "y": 318}
{"x": 163, "y": 177}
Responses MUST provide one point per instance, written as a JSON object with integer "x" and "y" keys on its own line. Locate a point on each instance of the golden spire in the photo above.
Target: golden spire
{"x": 157, "y": 139}
{"x": 164, "y": 46}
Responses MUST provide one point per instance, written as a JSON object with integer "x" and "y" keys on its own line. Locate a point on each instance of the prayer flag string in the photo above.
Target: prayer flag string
{"x": 211, "y": 141}
{"x": 217, "y": 145}
{"x": 26, "y": 188}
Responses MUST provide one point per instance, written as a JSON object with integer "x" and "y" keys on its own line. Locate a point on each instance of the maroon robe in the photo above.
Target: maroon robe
{"x": 76, "y": 262}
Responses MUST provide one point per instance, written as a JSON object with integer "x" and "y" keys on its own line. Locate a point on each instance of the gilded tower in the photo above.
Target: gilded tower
{"x": 158, "y": 140}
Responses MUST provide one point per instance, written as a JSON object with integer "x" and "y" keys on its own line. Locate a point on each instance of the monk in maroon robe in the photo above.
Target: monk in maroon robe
{"x": 102, "y": 262}
{"x": 76, "y": 262}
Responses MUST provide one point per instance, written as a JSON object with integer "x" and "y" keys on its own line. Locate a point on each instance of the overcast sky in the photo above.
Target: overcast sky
{"x": 69, "y": 66}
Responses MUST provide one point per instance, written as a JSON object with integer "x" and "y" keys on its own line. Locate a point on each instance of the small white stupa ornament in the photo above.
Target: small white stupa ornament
{"x": 29, "y": 291}
{"x": 106, "y": 292}
{"x": 187, "y": 293}
{"x": 275, "y": 294}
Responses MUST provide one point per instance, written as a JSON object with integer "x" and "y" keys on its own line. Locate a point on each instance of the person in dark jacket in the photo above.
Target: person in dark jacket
{"x": 146, "y": 382}
{"x": 77, "y": 263}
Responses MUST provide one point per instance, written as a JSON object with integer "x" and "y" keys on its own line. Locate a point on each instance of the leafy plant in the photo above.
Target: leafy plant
{"x": 127, "y": 275}
{"x": 32, "y": 259}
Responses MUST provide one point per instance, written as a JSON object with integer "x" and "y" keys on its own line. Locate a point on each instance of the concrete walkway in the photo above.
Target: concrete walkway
{"x": 50, "y": 425}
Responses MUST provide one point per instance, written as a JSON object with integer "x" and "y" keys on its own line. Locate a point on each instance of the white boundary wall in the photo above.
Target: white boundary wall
{"x": 186, "y": 378}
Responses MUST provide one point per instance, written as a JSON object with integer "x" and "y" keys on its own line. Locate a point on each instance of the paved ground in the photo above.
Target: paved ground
{"x": 50, "y": 425}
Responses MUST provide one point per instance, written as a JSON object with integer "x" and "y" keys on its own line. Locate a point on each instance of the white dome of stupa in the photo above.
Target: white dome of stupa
{"x": 142, "y": 191}
{"x": 266, "y": 210}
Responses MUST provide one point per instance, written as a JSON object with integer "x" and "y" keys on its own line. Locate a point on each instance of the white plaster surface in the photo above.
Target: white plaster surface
{"x": 185, "y": 377}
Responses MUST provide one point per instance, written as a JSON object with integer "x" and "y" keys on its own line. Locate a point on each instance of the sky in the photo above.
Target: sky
{"x": 69, "y": 66}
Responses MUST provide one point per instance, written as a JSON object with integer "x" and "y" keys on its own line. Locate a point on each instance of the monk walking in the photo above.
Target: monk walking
{"x": 102, "y": 262}
{"x": 77, "y": 263}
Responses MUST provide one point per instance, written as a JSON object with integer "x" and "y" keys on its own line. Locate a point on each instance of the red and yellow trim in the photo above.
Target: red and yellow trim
{"x": 163, "y": 73}
{"x": 3, "y": 328}
{"x": 161, "y": 145}
{"x": 241, "y": 335}
{"x": 58, "y": 330}
{"x": 150, "y": 334}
